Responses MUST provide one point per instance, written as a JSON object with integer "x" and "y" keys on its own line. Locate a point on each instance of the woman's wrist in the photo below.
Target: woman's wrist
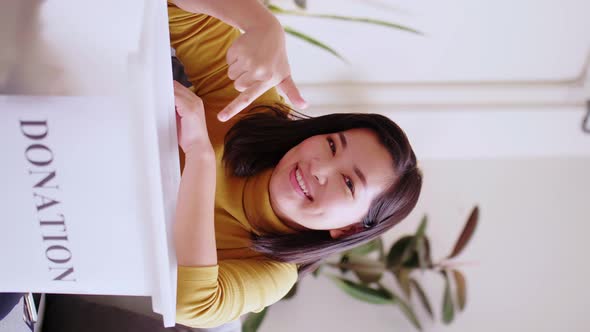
{"x": 264, "y": 19}
{"x": 200, "y": 151}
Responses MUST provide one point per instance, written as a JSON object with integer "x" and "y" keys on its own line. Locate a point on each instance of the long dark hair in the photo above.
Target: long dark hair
{"x": 260, "y": 140}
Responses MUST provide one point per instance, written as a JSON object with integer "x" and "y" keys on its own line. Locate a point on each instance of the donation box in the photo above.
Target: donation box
{"x": 89, "y": 177}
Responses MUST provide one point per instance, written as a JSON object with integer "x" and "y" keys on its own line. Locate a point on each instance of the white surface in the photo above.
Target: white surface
{"x": 445, "y": 133}
{"x": 515, "y": 53}
{"x": 403, "y": 96}
{"x": 159, "y": 128}
{"x": 79, "y": 35}
{"x": 478, "y": 40}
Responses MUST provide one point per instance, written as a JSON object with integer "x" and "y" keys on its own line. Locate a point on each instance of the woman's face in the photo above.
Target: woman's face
{"x": 327, "y": 182}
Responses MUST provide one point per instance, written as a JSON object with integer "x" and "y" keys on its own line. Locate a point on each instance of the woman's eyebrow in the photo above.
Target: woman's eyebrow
{"x": 361, "y": 176}
{"x": 358, "y": 172}
{"x": 342, "y": 140}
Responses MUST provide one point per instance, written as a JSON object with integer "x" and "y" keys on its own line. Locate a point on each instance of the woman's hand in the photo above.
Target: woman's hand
{"x": 190, "y": 121}
{"x": 257, "y": 62}
{"x": 258, "y": 58}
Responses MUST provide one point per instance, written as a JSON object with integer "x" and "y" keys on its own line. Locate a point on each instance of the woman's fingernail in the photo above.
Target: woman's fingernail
{"x": 222, "y": 117}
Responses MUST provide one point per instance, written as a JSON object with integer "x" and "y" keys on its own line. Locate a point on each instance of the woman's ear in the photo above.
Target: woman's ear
{"x": 344, "y": 231}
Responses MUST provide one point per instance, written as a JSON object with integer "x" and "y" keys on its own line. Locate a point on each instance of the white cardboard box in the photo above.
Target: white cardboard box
{"x": 89, "y": 182}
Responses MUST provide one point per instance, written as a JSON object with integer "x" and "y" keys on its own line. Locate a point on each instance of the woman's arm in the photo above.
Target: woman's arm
{"x": 194, "y": 231}
{"x": 241, "y": 14}
{"x": 211, "y": 296}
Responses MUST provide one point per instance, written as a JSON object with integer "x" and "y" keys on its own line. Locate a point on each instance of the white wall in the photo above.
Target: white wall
{"x": 530, "y": 250}
{"x": 477, "y": 40}
{"x": 453, "y": 133}
{"x": 489, "y": 80}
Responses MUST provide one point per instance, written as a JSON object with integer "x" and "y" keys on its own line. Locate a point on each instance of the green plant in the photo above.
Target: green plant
{"x": 301, "y": 11}
{"x": 407, "y": 255}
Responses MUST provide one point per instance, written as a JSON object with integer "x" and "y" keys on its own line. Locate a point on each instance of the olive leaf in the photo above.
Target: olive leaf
{"x": 409, "y": 312}
{"x": 317, "y": 271}
{"x": 403, "y": 306}
{"x": 403, "y": 279}
{"x": 424, "y": 256}
{"x": 467, "y": 232}
{"x": 313, "y": 41}
{"x": 461, "y": 288}
{"x": 407, "y": 250}
{"x": 367, "y": 248}
{"x": 302, "y": 5}
{"x": 411, "y": 248}
{"x": 278, "y": 10}
{"x": 362, "y": 292}
{"x": 423, "y": 298}
{"x": 343, "y": 263}
{"x": 394, "y": 257}
{"x": 381, "y": 251}
{"x": 448, "y": 311}
{"x": 367, "y": 270}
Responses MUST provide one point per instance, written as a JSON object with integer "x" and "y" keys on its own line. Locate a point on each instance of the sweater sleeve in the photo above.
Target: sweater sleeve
{"x": 211, "y": 296}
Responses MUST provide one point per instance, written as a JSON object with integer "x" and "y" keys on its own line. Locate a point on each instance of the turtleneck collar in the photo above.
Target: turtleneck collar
{"x": 257, "y": 206}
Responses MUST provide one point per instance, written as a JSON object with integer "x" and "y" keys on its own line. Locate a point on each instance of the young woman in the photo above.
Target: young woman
{"x": 270, "y": 192}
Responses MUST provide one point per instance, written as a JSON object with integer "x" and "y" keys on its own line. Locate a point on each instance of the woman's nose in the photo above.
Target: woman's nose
{"x": 320, "y": 179}
{"x": 320, "y": 170}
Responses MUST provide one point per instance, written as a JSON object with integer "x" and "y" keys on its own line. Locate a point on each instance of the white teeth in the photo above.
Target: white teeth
{"x": 300, "y": 181}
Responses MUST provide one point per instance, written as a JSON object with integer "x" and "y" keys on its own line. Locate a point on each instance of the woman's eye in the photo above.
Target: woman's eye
{"x": 349, "y": 184}
{"x": 332, "y": 146}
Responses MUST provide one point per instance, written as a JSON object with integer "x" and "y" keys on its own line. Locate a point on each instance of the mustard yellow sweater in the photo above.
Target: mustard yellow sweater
{"x": 243, "y": 281}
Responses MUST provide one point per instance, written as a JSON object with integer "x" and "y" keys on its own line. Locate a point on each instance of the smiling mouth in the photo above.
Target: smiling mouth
{"x": 298, "y": 183}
